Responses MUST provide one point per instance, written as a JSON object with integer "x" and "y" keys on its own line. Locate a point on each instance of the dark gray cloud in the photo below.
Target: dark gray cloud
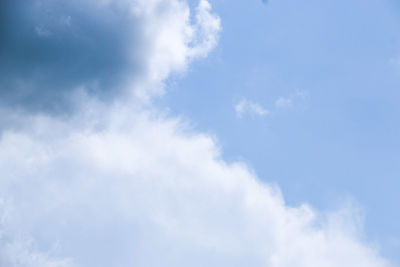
{"x": 50, "y": 47}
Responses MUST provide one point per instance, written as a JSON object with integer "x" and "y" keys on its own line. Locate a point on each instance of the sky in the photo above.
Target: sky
{"x": 199, "y": 133}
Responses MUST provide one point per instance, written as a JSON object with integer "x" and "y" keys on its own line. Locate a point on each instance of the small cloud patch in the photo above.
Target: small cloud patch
{"x": 289, "y": 101}
{"x": 42, "y": 32}
{"x": 246, "y": 107}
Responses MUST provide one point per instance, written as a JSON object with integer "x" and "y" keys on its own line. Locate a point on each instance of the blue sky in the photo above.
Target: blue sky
{"x": 338, "y": 142}
{"x": 199, "y": 133}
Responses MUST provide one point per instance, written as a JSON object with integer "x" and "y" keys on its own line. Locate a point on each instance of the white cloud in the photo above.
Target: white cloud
{"x": 122, "y": 185}
{"x": 245, "y": 106}
{"x": 172, "y": 40}
{"x": 285, "y": 102}
{"x": 144, "y": 191}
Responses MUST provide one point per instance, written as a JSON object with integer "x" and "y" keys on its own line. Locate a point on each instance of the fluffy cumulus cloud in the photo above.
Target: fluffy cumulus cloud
{"x": 119, "y": 183}
{"x": 141, "y": 190}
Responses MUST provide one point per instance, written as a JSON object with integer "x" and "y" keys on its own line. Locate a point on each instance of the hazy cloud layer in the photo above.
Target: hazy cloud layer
{"x": 120, "y": 185}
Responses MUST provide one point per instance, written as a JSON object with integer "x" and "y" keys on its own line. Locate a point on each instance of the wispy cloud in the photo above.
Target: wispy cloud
{"x": 42, "y": 32}
{"x": 247, "y": 107}
{"x": 289, "y": 101}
